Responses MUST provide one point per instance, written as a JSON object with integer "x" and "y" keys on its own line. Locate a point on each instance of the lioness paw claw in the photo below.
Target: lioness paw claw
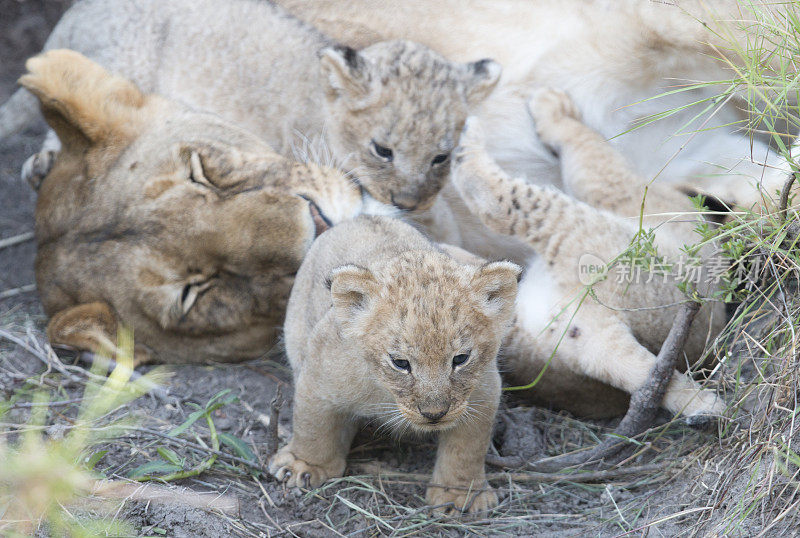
{"x": 451, "y": 501}
{"x": 296, "y": 473}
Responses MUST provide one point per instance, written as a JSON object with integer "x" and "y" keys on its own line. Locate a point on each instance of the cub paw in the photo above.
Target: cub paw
{"x": 36, "y": 167}
{"x": 461, "y": 500}
{"x": 472, "y": 138}
{"x": 549, "y": 108}
{"x": 701, "y": 422}
{"x": 294, "y": 472}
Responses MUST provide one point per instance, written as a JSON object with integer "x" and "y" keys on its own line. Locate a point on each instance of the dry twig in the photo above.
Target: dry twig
{"x": 641, "y": 411}
{"x": 272, "y": 431}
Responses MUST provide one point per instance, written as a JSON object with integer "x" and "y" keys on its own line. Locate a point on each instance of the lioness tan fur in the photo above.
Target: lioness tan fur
{"x": 622, "y": 62}
{"x": 390, "y": 113}
{"x": 382, "y": 324}
{"x": 611, "y": 335}
{"x": 170, "y": 221}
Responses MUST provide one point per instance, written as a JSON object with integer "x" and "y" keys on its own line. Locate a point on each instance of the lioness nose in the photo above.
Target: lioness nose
{"x": 434, "y": 413}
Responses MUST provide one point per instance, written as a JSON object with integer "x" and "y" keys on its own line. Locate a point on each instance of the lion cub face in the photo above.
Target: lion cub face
{"x": 397, "y": 108}
{"x": 429, "y": 328}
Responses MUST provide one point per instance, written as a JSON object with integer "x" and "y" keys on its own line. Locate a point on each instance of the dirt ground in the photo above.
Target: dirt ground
{"x": 364, "y": 503}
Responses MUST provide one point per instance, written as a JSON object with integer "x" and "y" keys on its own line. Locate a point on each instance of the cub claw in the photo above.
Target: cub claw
{"x": 36, "y": 167}
{"x": 701, "y": 421}
{"x": 452, "y": 501}
{"x": 296, "y": 473}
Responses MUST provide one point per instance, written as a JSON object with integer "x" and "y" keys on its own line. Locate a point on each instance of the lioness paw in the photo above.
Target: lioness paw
{"x": 461, "y": 500}
{"x": 549, "y": 108}
{"x": 294, "y": 472}
{"x": 36, "y": 167}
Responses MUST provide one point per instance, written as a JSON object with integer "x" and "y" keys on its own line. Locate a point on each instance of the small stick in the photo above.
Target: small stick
{"x": 576, "y": 476}
{"x": 13, "y": 292}
{"x": 16, "y": 239}
{"x": 784, "y": 203}
{"x": 39, "y": 355}
{"x": 272, "y": 431}
{"x": 195, "y": 446}
{"x": 160, "y": 392}
{"x": 644, "y": 402}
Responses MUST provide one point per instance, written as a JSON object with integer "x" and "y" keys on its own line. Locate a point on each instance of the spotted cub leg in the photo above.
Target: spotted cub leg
{"x": 559, "y": 228}
{"x": 321, "y": 439}
{"x": 592, "y": 170}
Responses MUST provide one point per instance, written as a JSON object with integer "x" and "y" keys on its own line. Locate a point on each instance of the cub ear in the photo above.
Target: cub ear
{"x": 352, "y": 289}
{"x": 495, "y": 285}
{"x": 348, "y": 75}
{"x": 82, "y": 102}
{"x": 482, "y": 77}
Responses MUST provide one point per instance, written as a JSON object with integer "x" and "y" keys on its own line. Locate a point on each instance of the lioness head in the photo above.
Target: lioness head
{"x": 171, "y": 221}
{"x": 397, "y": 108}
{"x": 429, "y": 328}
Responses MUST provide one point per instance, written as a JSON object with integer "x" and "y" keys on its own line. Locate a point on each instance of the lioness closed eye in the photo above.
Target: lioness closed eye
{"x": 408, "y": 337}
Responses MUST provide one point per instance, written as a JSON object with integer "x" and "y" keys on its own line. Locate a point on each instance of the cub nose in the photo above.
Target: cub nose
{"x": 434, "y": 413}
{"x": 407, "y": 203}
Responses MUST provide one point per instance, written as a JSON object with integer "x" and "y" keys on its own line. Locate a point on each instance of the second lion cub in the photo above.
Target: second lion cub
{"x": 382, "y": 324}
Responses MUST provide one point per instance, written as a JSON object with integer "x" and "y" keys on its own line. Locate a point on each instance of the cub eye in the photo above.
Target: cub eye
{"x": 382, "y": 152}
{"x": 401, "y": 364}
{"x": 439, "y": 159}
{"x": 460, "y": 359}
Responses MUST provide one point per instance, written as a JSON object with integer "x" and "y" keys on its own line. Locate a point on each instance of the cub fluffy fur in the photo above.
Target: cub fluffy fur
{"x": 390, "y": 113}
{"x": 614, "y": 332}
{"x": 613, "y": 57}
{"x": 173, "y": 222}
{"x": 382, "y": 324}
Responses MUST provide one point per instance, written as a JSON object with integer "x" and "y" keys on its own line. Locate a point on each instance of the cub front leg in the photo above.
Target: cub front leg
{"x": 320, "y": 442}
{"x": 594, "y": 171}
{"x": 459, "y": 475}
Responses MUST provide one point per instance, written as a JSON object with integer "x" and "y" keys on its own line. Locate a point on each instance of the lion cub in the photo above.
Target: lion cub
{"x": 382, "y": 324}
{"x": 391, "y": 113}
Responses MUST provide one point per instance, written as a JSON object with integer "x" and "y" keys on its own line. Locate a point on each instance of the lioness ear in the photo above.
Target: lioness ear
{"x": 352, "y": 288}
{"x": 348, "y": 75}
{"x": 482, "y": 77}
{"x": 82, "y": 102}
{"x": 496, "y": 287}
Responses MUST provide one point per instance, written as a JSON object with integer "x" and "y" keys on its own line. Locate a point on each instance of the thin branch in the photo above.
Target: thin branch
{"x": 272, "y": 430}
{"x": 184, "y": 442}
{"x": 643, "y": 406}
{"x": 16, "y": 239}
{"x": 787, "y": 188}
{"x": 13, "y": 292}
{"x": 523, "y": 477}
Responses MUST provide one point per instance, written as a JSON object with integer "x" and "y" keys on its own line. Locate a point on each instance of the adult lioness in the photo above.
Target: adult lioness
{"x": 391, "y": 113}
{"x": 172, "y": 221}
